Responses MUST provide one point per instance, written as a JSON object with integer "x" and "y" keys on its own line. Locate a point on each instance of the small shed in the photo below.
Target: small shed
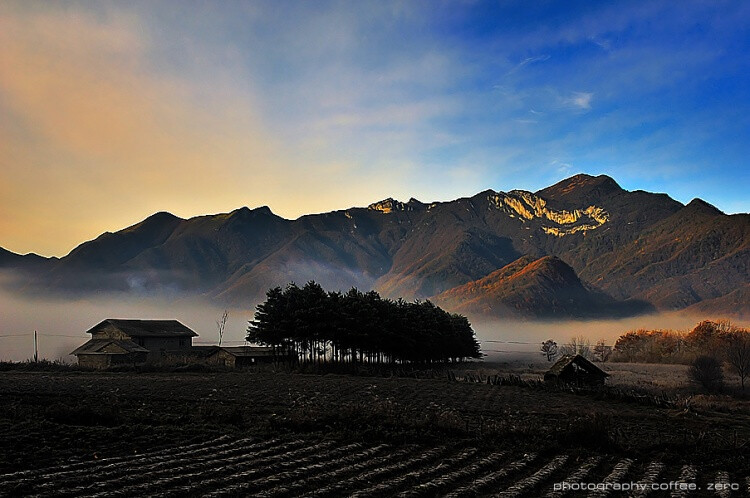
{"x": 577, "y": 370}
{"x": 242, "y": 356}
{"x": 193, "y": 355}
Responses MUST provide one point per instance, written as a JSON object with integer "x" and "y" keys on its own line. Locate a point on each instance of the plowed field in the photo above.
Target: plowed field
{"x": 265, "y": 434}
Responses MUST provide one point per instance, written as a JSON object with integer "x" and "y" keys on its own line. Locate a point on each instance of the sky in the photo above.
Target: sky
{"x": 111, "y": 111}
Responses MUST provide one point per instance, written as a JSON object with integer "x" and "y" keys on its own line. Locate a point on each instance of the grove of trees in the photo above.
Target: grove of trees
{"x": 718, "y": 340}
{"x": 308, "y": 324}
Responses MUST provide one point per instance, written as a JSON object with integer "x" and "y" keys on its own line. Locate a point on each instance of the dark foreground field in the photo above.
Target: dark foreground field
{"x": 275, "y": 434}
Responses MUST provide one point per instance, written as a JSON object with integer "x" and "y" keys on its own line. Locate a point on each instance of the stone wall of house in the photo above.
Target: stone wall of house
{"x": 128, "y": 359}
{"x": 156, "y": 345}
{"x": 103, "y": 361}
{"x": 95, "y": 361}
{"x": 221, "y": 358}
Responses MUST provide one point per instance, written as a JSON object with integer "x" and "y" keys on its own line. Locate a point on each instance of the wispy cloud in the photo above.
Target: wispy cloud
{"x": 602, "y": 43}
{"x": 562, "y": 168}
{"x": 527, "y": 61}
{"x": 579, "y": 100}
{"x": 531, "y": 60}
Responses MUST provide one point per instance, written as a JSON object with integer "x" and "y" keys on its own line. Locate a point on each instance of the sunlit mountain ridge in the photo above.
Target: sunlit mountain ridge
{"x": 629, "y": 251}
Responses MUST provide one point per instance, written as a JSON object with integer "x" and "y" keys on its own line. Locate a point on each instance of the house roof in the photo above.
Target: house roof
{"x": 146, "y": 328}
{"x": 577, "y": 360}
{"x": 100, "y": 346}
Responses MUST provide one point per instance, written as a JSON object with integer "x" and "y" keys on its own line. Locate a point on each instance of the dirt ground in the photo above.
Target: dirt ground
{"x": 48, "y": 420}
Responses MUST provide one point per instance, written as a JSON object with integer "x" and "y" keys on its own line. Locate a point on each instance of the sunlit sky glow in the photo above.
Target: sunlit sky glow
{"x": 110, "y": 112}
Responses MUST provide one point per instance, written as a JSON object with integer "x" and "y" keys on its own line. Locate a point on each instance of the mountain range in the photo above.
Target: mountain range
{"x": 582, "y": 247}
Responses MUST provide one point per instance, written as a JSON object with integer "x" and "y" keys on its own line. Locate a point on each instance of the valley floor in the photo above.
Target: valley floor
{"x": 279, "y": 434}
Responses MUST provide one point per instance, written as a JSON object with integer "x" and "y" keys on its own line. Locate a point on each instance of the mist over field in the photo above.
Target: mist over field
{"x": 61, "y": 324}
{"x": 509, "y": 333}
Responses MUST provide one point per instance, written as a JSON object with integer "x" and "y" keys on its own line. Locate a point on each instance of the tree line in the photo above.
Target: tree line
{"x": 308, "y": 324}
{"x": 705, "y": 347}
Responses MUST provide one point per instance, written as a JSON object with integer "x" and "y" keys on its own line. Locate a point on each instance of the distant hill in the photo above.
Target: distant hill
{"x": 542, "y": 288}
{"x": 732, "y": 304}
{"x": 619, "y": 244}
{"x": 25, "y": 262}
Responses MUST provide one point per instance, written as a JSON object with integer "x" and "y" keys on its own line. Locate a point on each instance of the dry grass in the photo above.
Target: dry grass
{"x": 649, "y": 376}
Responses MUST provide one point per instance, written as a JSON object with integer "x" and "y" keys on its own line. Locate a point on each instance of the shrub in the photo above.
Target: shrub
{"x": 706, "y": 372}
{"x": 42, "y": 365}
{"x": 595, "y": 431}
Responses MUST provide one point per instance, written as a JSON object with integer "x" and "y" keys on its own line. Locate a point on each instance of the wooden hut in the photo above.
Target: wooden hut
{"x": 241, "y": 356}
{"x": 203, "y": 355}
{"x": 577, "y": 370}
{"x": 226, "y": 356}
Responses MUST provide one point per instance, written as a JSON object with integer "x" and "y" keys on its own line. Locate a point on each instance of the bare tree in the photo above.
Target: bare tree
{"x": 738, "y": 352}
{"x": 578, "y": 345}
{"x": 221, "y": 325}
{"x": 602, "y": 351}
{"x": 549, "y": 349}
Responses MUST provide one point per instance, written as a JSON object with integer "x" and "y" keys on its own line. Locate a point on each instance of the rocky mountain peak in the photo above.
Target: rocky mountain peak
{"x": 389, "y": 205}
{"x": 582, "y": 189}
{"x": 700, "y": 206}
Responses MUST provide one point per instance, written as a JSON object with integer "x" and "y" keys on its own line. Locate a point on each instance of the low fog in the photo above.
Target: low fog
{"x": 505, "y": 340}
{"x": 61, "y": 324}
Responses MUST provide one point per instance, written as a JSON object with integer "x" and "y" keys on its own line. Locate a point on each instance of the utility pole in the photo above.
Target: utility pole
{"x": 36, "y": 350}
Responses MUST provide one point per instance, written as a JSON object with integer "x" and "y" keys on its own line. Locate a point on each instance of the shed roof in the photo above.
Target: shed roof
{"x": 98, "y": 346}
{"x": 146, "y": 328}
{"x": 193, "y": 352}
{"x": 577, "y": 360}
{"x": 248, "y": 350}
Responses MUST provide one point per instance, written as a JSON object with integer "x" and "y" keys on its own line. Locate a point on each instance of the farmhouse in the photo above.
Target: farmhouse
{"x": 133, "y": 342}
{"x": 129, "y": 342}
{"x": 575, "y": 369}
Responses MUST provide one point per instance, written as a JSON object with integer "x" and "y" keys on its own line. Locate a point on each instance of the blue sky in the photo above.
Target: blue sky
{"x": 198, "y": 107}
